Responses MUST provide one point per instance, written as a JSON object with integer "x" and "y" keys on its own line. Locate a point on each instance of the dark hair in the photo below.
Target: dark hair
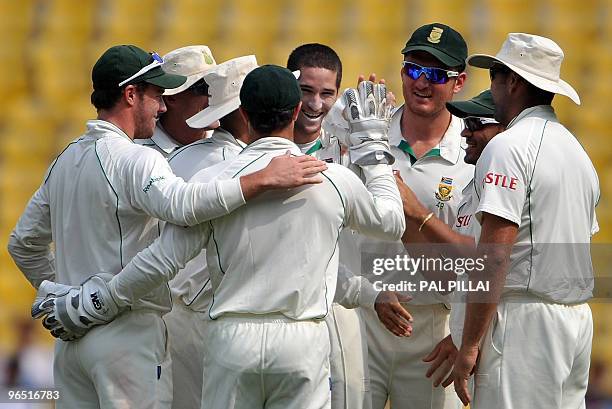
{"x": 107, "y": 98}
{"x": 316, "y": 55}
{"x": 541, "y": 96}
{"x": 267, "y": 122}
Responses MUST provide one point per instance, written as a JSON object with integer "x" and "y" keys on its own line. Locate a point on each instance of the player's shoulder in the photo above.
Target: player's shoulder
{"x": 195, "y": 149}
{"x": 340, "y": 175}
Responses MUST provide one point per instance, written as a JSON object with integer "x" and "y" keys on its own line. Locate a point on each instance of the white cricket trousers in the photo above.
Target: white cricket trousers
{"x": 397, "y": 370}
{"x": 535, "y": 354}
{"x": 348, "y": 359}
{"x": 186, "y": 333}
{"x": 269, "y": 361}
{"x": 122, "y": 365}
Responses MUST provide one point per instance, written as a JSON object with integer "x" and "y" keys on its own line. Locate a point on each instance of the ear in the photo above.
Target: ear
{"x": 296, "y": 112}
{"x": 514, "y": 82}
{"x": 460, "y": 82}
{"x": 130, "y": 94}
{"x": 243, "y": 115}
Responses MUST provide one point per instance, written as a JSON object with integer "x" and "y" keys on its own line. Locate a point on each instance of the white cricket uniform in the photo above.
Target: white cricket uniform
{"x": 348, "y": 359}
{"x": 97, "y": 204}
{"x": 160, "y": 141}
{"x": 271, "y": 289}
{"x": 191, "y": 290}
{"x": 397, "y": 372}
{"x": 536, "y": 352}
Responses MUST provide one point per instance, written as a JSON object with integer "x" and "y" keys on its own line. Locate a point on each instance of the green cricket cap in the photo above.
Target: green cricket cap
{"x": 120, "y": 62}
{"x": 441, "y": 41}
{"x": 270, "y": 88}
{"x": 481, "y": 105}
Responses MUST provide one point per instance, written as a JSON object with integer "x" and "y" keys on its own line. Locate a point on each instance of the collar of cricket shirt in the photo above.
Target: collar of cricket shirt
{"x": 163, "y": 140}
{"x": 310, "y": 147}
{"x": 545, "y": 112}
{"x": 99, "y": 128}
{"x": 272, "y": 143}
{"x": 224, "y": 137}
{"x": 449, "y": 148}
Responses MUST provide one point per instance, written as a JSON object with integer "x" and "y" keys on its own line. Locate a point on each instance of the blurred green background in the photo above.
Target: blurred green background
{"x": 49, "y": 46}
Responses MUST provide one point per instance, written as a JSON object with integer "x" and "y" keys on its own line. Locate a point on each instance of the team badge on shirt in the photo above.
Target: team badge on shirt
{"x": 445, "y": 189}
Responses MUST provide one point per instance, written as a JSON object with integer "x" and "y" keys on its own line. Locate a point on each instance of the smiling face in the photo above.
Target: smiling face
{"x": 319, "y": 93}
{"x": 477, "y": 140}
{"x": 150, "y": 105}
{"x": 422, "y": 97}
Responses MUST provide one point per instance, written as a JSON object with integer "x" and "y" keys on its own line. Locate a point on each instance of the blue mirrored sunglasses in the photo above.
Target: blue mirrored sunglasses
{"x": 433, "y": 74}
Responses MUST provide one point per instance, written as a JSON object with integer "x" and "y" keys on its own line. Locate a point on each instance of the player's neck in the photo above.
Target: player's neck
{"x": 120, "y": 119}
{"x": 424, "y": 133}
{"x": 180, "y": 131}
{"x": 301, "y": 138}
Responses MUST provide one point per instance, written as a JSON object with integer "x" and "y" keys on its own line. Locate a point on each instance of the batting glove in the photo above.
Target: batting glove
{"x": 368, "y": 116}
{"x": 70, "y": 312}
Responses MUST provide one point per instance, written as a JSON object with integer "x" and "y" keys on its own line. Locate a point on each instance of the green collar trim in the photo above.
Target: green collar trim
{"x": 403, "y": 145}
{"x": 317, "y": 146}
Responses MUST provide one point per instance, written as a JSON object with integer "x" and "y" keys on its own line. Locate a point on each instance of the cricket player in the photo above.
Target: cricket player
{"x": 320, "y": 77}
{"x": 537, "y": 193}
{"x": 460, "y": 238}
{"x": 171, "y": 131}
{"x": 425, "y": 140}
{"x": 97, "y": 204}
{"x": 191, "y": 288}
{"x": 270, "y": 297}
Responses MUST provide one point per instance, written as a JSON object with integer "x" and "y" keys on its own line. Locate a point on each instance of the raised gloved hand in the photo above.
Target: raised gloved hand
{"x": 368, "y": 115}
{"x": 70, "y": 312}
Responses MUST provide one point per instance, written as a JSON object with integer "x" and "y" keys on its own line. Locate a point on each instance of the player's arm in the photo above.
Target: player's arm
{"x": 70, "y": 312}
{"x": 152, "y": 187}
{"x": 355, "y": 291}
{"x": 432, "y": 229}
{"x": 496, "y": 240}
{"x": 373, "y": 209}
{"x": 158, "y": 263}
{"x": 29, "y": 243}
{"x": 499, "y": 211}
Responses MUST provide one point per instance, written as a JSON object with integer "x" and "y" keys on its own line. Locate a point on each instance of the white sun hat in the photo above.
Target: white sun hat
{"x": 192, "y": 61}
{"x": 536, "y": 59}
{"x": 224, "y": 82}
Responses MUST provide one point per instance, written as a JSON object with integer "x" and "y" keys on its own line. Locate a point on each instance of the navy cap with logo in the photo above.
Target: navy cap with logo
{"x": 481, "y": 106}
{"x": 127, "y": 64}
{"x": 270, "y": 88}
{"x": 441, "y": 41}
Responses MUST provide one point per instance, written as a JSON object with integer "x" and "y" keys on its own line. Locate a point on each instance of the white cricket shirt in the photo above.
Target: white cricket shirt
{"x": 437, "y": 178}
{"x": 160, "y": 141}
{"x": 191, "y": 285}
{"x": 352, "y": 290}
{"x": 97, "y": 205}
{"x": 538, "y": 176}
{"x": 279, "y": 254}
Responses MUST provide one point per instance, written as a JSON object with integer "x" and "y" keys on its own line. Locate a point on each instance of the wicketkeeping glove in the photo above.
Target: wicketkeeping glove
{"x": 368, "y": 115}
{"x": 70, "y": 312}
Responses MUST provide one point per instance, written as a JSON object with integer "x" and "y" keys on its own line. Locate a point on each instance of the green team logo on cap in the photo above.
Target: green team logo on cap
{"x": 435, "y": 35}
{"x": 207, "y": 58}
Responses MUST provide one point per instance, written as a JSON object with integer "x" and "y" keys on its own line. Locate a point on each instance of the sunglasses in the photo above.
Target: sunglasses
{"x": 199, "y": 88}
{"x": 157, "y": 61}
{"x": 433, "y": 74}
{"x": 497, "y": 68}
{"x": 476, "y": 123}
